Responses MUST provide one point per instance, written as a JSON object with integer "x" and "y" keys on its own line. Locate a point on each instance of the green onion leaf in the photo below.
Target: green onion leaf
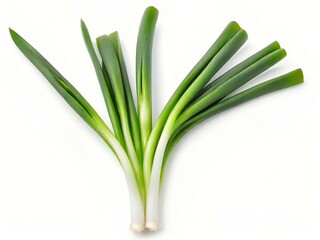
{"x": 229, "y": 42}
{"x": 287, "y": 80}
{"x": 63, "y": 87}
{"x": 105, "y": 88}
{"x": 226, "y": 86}
{"x": 112, "y": 66}
{"x": 132, "y": 112}
{"x": 144, "y": 73}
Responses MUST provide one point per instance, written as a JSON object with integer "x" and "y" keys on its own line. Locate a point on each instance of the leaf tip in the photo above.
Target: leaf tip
{"x": 14, "y": 36}
{"x": 114, "y": 34}
{"x": 235, "y": 25}
{"x": 283, "y": 52}
{"x": 276, "y": 44}
{"x": 243, "y": 33}
{"x": 152, "y": 9}
{"x": 12, "y": 33}
{"x": 83, "y": 24}
{"x": 299, "y": 75}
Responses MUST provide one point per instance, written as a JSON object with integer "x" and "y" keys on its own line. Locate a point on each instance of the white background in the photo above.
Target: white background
{"x": 249, "y": 173}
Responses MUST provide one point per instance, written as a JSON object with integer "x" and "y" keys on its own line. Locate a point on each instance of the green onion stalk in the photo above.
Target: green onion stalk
{"x": 141, "y": 146}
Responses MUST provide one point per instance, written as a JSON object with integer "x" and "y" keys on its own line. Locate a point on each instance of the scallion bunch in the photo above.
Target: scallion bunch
{"x": 141, "y": 145}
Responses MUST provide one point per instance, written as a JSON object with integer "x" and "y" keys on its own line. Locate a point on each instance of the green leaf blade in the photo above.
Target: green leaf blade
{"x": 144, "y": 71}
{"x": 227, "y": 86}
{"x": 132, "y": 112}
{"x": 237, "y": 69}
{"x": 63, "y": 87}
{"x": 231, "y": 32}
{"x": 284, "y": 81}
{"x": 103, "y": 82}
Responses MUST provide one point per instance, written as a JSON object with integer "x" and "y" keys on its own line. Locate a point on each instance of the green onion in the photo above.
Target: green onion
{"x": 90, "y": 116}
{"x": 111, "y": 63}
{"x": 143, "y": 150}
{"x": 222, "y": 56}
